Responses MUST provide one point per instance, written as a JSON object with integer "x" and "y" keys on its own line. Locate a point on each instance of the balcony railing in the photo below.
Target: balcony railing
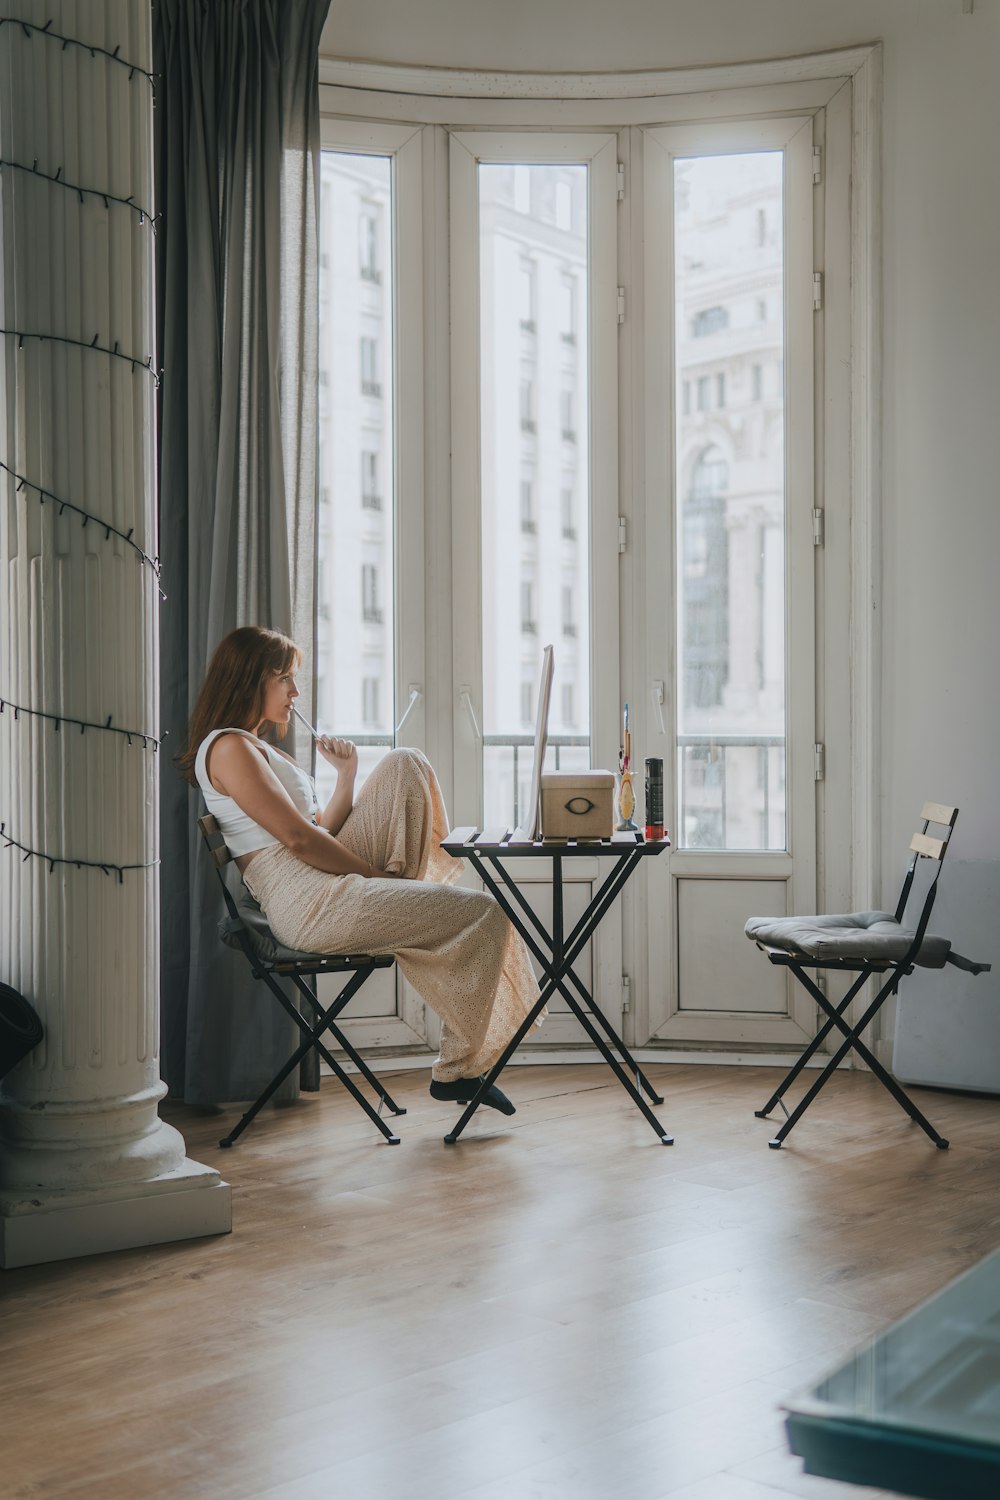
{"x": 372, "y": 274}
{"x": 528, "y": 424}
{"x": 507, "y": 757}
{"x": 372, "y": 614}
{"x": 518, "y": 766}
{"x": 371, "y": 502}
{"x": 371, "y": 387}
{"x": 709, "y": 817}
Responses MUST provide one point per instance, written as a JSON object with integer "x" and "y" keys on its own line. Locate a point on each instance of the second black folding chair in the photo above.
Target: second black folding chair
{"x": 871, "y": 944}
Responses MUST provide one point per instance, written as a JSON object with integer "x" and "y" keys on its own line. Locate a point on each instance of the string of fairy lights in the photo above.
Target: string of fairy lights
{"x": 38, "y": 494}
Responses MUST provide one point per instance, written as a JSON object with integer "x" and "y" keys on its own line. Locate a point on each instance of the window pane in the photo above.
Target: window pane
{"x": 535, "y": 435}
{"x": 355, "y": 564}
{"x": 730, "y": 501}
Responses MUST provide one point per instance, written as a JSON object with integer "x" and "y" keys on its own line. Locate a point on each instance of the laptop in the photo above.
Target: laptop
{"x": 532, "y": 823}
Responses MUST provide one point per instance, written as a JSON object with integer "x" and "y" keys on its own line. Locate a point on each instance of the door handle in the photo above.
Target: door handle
{"x": 466, "y": 697}
{"x": 416, "y": 693}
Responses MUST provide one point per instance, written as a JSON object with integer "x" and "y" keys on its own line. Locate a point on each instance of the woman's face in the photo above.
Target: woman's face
{"x": 279, "y": 693}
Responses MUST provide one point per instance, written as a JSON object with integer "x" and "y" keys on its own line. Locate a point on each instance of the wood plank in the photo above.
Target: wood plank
{"x": 492, "y": 835}
{"x": 922, "y": 843}
{"x": 936, "y": 812}
{"x": 423, "y": 1322}
{"x": 459, "y": 837}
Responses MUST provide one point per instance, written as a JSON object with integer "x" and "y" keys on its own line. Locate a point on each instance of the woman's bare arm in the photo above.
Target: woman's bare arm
{"x": 342, "y": 755}
{"x": 240, "y": 771}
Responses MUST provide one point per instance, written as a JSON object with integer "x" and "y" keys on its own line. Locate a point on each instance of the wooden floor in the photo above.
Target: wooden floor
{"x": 557, "y": 1308}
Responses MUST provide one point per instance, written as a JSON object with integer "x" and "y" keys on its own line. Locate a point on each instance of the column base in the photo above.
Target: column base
{"x": 186, "y": 1204}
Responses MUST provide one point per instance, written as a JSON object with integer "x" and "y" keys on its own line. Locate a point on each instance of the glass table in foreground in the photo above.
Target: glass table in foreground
{"x": 916, "y": 1411}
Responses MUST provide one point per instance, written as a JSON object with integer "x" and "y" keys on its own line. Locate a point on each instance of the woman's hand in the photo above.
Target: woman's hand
{"x": 342, "y": 755}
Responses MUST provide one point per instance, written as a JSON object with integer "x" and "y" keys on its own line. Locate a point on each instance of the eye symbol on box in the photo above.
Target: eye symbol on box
{"x": 579, "y": 805}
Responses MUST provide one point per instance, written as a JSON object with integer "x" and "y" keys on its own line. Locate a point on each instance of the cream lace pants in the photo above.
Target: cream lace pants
{"x": 456, "y": 947}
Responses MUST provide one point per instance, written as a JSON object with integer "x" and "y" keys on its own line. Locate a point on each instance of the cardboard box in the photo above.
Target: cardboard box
{"x": 578, "y": 804}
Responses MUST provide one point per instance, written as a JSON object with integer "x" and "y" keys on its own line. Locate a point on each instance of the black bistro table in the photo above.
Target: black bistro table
{"x": 488, "y": 852}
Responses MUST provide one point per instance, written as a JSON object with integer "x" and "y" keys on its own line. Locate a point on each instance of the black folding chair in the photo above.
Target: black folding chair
{"x": 867, "y": 943}
{"x": 246, "y": 928}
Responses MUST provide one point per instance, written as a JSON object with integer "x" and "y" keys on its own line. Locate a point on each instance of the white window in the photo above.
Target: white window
{"x": 356, "y": 578}
{"x": 528, "y": 622}
{"x": 567, "y": 508}
{"x": 370, "y": 611}
{"x": 526, "y": 296}
{"x": 568, "y": 620}
{"x": 567, "y": 311}
{"x": 370, "y": 385}
{"x": 368, "y": 234}
{"x": 567, "y": 422}
{"x": 527, "y": 405}
{"x": 709, "y": 320}
{"x": 371, "y": 499}
{"x": 369, "y": 700}
{"x": 527, "y": 505}
{"x": 715, "y": 631}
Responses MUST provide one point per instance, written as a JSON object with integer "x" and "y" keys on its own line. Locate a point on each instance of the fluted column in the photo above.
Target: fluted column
{"x": 85, "y": 1162}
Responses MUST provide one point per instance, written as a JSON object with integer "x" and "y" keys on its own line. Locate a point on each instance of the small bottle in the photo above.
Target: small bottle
{"x": 654, "y": 798}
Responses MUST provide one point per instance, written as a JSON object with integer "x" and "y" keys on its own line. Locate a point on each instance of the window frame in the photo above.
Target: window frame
{"x": 360, "y": 102}
{"x": 600, "y": 152}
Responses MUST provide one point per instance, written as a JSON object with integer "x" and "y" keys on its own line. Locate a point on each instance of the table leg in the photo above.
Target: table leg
{"x": 573, "y": 944}
{"x": 556, "y": 971}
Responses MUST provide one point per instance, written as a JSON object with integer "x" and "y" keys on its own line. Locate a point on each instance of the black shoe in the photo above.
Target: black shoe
{"x": 463, "y": 1089}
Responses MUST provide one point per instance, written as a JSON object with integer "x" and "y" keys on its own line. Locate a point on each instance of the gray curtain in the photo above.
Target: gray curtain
{"x": 237, "y": 164}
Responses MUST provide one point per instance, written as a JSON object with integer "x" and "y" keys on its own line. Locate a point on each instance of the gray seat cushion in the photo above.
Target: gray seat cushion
{"x": 262, "y": 940}
{"x": 871, "y": 936}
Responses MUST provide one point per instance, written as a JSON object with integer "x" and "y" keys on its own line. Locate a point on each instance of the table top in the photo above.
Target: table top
{"x": 471, "y": 842}
{"x": 916, "y": 1411}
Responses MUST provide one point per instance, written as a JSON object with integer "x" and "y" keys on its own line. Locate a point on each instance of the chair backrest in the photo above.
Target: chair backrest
{"x": 215, "y": 843}
{"x": 221, "y": 856}
{"x": 927, "y": 846}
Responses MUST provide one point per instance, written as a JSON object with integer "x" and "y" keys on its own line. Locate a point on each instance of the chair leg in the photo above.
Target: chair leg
{"x": 854, "y": 1040}
{"x": 312, "y": 1037}
{"x": 816, "y": 1042}
{"x": 271, "y": 1089}
{"x": 350, "y": 989}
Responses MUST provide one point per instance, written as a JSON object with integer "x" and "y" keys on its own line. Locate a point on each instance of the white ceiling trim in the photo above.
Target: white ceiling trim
{"x": 455, "y": 83}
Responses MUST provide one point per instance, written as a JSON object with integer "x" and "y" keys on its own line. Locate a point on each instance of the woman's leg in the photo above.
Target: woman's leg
{"x": 399, "y": 820}
{"x": 456, "y": 947}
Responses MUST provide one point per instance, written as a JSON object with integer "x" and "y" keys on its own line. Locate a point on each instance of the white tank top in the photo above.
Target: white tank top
{"x": 241, "y": 833}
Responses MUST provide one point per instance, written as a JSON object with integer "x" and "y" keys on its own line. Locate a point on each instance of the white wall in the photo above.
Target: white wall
{"x": 941, "y": 264}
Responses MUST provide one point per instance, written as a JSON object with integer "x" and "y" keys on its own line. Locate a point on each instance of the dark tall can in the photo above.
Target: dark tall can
{"x": 654, "y": 798}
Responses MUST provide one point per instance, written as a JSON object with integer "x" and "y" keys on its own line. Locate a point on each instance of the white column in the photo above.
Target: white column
{"x": 85, "y": 1162}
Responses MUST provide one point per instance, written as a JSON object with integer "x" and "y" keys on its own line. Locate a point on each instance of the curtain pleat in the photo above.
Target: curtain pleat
{"x": 237, "y": 171}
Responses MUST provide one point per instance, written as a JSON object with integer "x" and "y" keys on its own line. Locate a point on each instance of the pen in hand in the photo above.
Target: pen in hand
{"x": 314, "y": 732}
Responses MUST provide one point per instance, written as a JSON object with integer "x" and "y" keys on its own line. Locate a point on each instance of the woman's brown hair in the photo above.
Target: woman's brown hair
{"x": 232, "y": 695}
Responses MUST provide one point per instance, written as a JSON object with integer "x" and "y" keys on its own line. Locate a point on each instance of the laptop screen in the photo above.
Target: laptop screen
{"x": 531, "y": 825}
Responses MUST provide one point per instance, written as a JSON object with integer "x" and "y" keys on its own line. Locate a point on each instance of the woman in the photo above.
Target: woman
{"x": 355, "y": 877}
